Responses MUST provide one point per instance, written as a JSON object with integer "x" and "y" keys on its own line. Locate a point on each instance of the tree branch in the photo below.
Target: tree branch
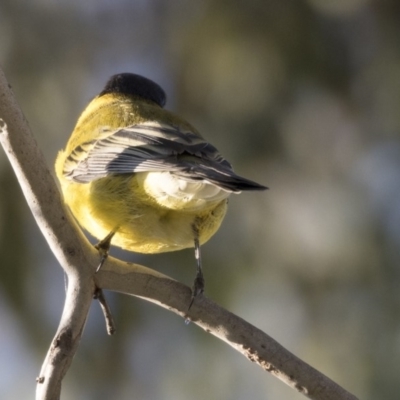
{"x": 65, "y": 239}
{"x": 79, "y": 259}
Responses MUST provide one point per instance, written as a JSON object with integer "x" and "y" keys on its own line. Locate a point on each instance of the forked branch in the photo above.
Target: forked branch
{"x": 79, "y": 259}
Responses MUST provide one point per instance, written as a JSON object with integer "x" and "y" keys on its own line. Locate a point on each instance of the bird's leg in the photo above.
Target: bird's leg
{"x": 198, "y": 284}
{"x": 103, "y": 247}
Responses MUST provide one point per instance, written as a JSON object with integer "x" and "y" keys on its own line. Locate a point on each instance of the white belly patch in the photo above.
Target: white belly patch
{"x": 176, "y": 193}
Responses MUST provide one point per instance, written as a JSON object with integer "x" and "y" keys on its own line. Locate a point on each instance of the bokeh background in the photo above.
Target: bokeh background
{"x": 300, "y": 95}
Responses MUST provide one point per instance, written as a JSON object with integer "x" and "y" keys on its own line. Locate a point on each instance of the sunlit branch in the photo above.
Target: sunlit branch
{"x": 79, "y": 260}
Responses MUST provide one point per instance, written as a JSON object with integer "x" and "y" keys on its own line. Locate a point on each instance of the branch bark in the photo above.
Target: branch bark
{"x": 79, "y": 259}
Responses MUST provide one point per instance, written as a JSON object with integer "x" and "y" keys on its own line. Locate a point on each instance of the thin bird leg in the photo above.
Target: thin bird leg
{"x": 198, "y": 284}
{"x": 103, "y": 247}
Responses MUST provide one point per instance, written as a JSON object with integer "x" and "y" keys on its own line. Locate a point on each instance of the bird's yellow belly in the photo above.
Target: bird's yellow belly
{"x": 120, "y": 204}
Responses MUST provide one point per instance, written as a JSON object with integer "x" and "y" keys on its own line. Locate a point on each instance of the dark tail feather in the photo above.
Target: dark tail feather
{"x": 220, "y": 176}
{"x": 236, "y": 183}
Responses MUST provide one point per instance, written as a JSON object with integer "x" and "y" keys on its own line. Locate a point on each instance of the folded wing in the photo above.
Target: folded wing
{"x": 153, "y": 147}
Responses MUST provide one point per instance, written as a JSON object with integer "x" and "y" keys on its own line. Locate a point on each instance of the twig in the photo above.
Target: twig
{"x": 110, "y": 324}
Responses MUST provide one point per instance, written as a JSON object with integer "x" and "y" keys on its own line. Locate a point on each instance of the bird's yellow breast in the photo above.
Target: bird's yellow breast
{"x": 125, "y": 203}
{"x": 120, "y": 204}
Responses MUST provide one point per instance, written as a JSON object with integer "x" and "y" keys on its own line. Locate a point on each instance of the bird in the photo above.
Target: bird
{"x": 140, "y": 177}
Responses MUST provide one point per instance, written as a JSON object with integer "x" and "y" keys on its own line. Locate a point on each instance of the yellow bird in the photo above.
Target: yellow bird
{"x": 141, "y": 177}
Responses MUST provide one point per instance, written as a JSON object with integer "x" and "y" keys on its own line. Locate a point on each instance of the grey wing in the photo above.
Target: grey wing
{"x": 154, "y": 147}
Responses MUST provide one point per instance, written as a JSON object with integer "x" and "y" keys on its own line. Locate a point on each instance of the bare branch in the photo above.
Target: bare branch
{"x": 248, "y": 340}
{"x": 79, "y": 259}
{"x": 69, "y": 245}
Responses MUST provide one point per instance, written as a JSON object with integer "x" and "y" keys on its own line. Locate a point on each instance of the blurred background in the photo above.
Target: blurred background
{"x": 300, "y": 95}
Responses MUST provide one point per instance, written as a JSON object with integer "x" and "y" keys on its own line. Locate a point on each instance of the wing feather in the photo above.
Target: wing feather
{"x": 154, "y": 147}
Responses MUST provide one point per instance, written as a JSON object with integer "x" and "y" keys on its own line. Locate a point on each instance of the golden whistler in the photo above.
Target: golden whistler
{"x": 142, "y": 178}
